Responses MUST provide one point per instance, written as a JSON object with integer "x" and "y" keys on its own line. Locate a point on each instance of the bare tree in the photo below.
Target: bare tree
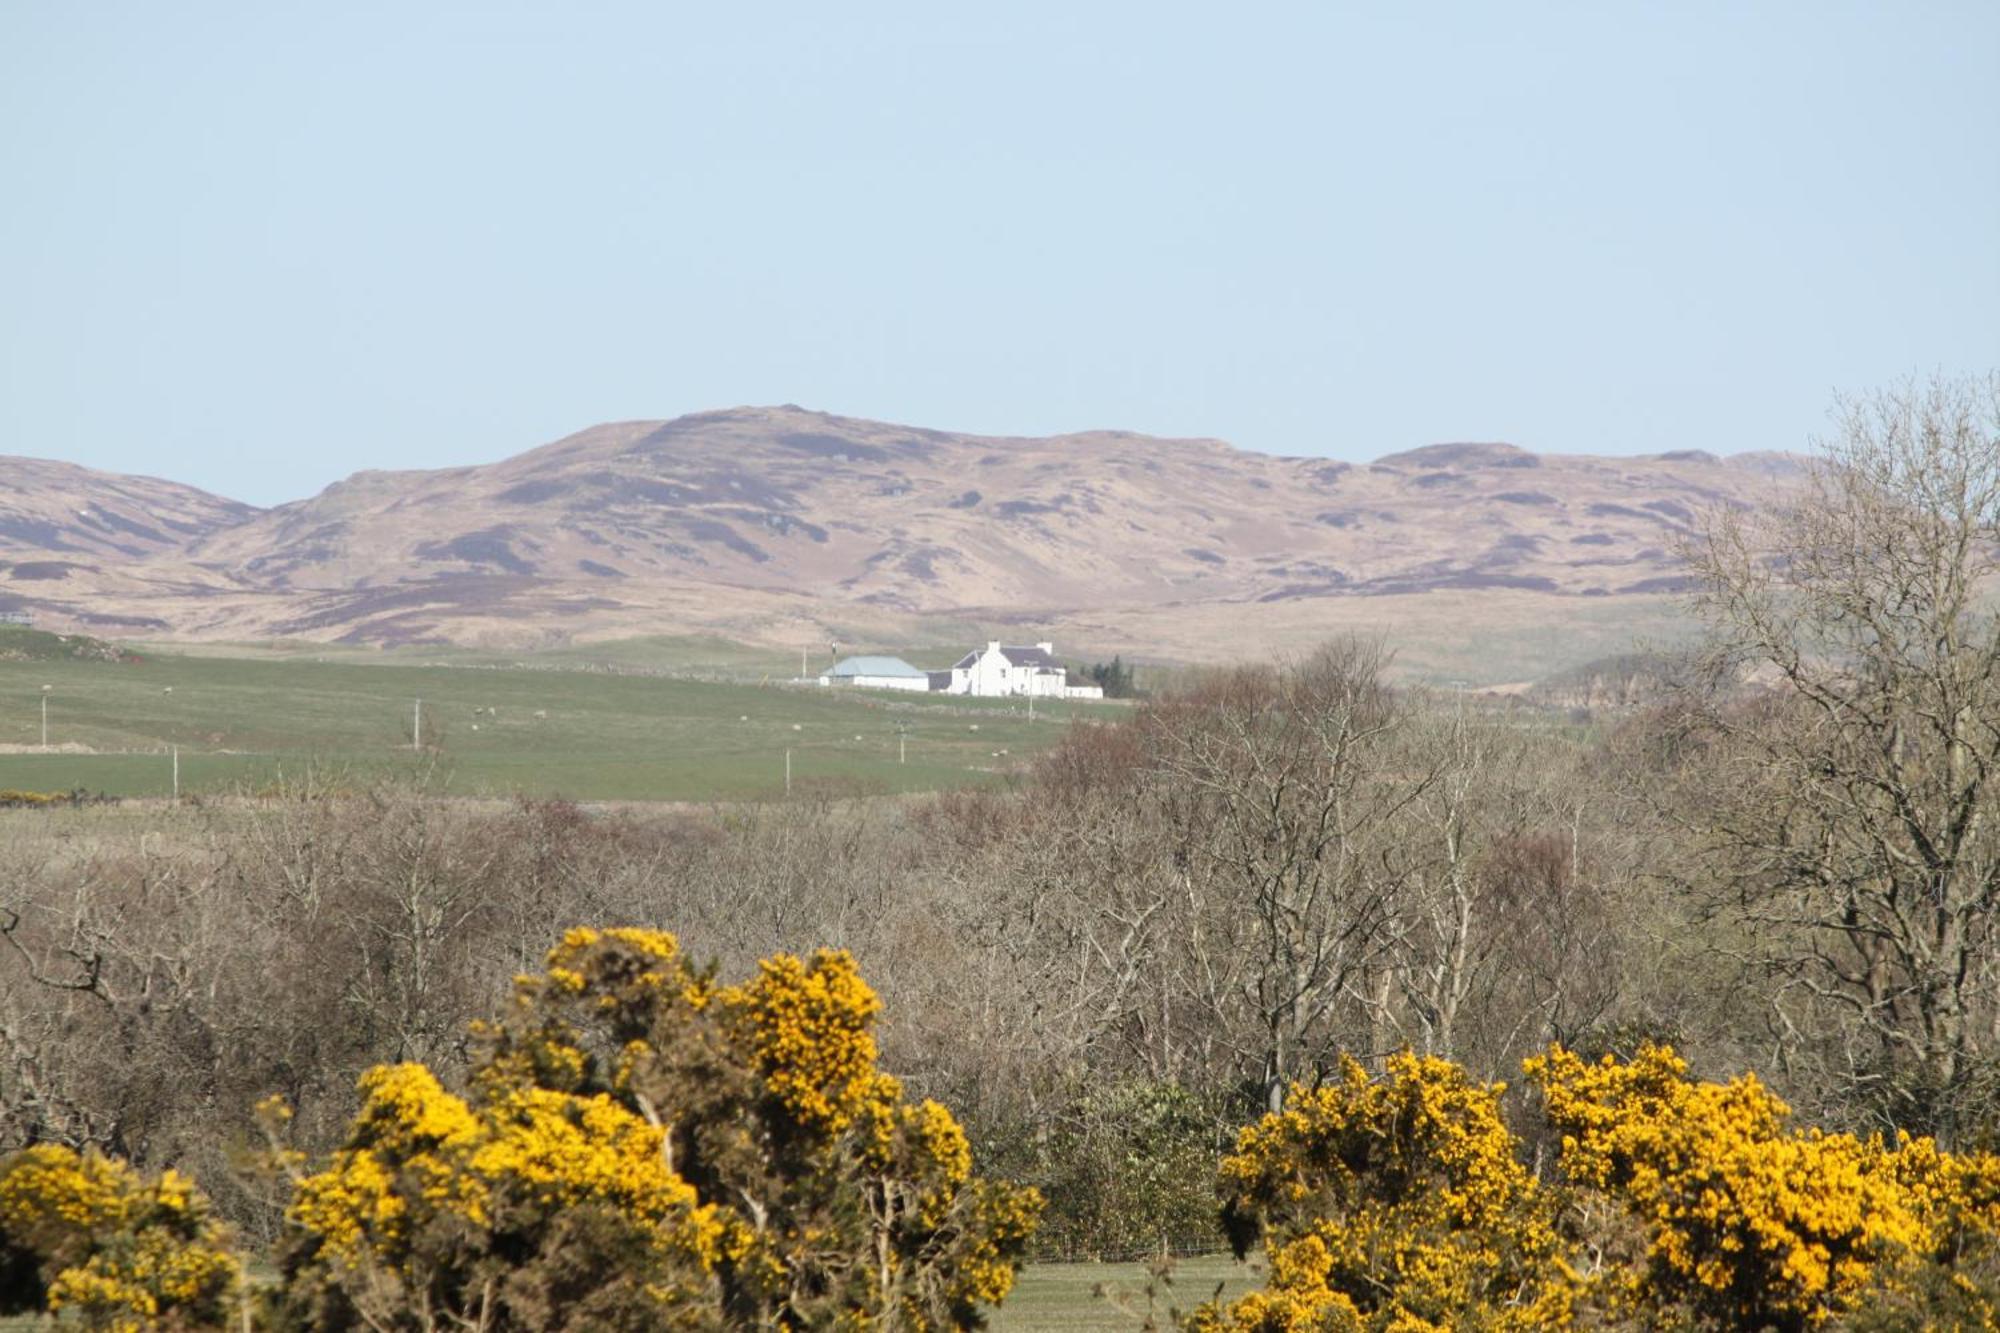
{"x": 1279, "y": 805}
{"x": 1849, "y": 798}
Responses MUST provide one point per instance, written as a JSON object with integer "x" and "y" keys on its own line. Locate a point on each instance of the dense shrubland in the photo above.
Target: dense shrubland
{"x": 637, "y": 1145}
{"x": 1284, "y": 891}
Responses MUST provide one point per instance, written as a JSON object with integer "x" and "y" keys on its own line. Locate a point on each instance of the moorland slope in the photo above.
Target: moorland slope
{"x": 781, "y": 524}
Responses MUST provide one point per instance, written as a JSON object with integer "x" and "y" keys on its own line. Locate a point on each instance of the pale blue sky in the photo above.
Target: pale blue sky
{"x": 259, "y": 246}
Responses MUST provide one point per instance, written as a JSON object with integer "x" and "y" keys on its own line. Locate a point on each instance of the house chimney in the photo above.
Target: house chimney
{"x": 993, "y": 645}
{"x": 1048, "y": 648}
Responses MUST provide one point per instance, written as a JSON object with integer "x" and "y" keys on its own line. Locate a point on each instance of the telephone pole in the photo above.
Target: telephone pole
{"x": 45, "y": 715}
{"x": 417, "y": 730}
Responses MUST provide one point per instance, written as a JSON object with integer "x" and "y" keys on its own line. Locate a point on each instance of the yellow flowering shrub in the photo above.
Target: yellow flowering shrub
{"x": 94, "y": 1243}
{"x": 812, "y": 1028}
{"x": 734, "y": 1147}
{"x": 1746, "y": 1220}
{"x": 1396, "y": 1203}
{"x": 440, "y": 1205}
{"x": 12, "y": 797}
{"x": 1401, "y": 1203}
{"x": 1950, "y": 1277}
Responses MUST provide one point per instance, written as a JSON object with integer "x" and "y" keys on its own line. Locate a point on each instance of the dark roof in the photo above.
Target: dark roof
{"x": 1016, "y": 656}
{"x": 1033, "y": 657}
{"x": 940, "y": 680}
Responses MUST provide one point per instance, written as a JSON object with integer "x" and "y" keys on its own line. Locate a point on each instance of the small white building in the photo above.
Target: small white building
{"x": 1001, "y": 670}
{"x": 877, "y": 673}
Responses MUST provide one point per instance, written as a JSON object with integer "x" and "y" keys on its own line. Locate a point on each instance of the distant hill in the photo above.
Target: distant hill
{"x": 70, "y": 513}
{"x": 93, "y": 549}
{"x": 783, "y": 523}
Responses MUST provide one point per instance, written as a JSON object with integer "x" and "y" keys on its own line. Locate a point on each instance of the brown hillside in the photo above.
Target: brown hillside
{"x": 92, "y": 548}
{"x": 765, "y": 517}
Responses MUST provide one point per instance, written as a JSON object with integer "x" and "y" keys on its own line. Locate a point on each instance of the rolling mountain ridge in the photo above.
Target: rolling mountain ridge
{"x": 762, "y": 522}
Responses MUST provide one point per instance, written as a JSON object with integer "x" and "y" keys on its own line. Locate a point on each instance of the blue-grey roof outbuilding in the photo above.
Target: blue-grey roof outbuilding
{"x": 874, "y": 666}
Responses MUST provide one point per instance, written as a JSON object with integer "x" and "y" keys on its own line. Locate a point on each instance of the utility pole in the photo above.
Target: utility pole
{"x": 177, "y": 774}
{"x": 45, "y": 715}
{"x": 902, "y": 747}
{"x": 788, "y": 772}
{"x": 802, "y": 664}
{"x": 417, "y": 730}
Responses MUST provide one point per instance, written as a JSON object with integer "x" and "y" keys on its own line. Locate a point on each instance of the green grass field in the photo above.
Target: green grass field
{"x": 495, "y": 730}
{"x": 1068, "y": 1298}
{"x": 691, "y": 655}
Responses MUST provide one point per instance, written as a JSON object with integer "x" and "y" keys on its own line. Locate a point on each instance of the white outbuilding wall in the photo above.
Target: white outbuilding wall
{"x": 920, "y": 683}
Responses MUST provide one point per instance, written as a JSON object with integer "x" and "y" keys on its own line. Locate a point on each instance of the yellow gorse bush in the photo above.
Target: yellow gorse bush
{"x": 92, "y": 1241}
{"x": 12, "y": 796}
{"x": 638, "y": 1147}
{"x": 1745, "y": 1217}
{"x": 811, "y": 1027}
{"x": 1392, "y": 1203}
{"x": 418, "y": 1155}
{"x": 1401, "y": 1203}
{"x": 747, "y": 1164}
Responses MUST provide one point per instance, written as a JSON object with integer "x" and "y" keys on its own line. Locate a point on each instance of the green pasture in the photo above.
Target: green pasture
{"x": 701, "y": 656}
{"x": 495, "y": 730}
{"x": 692, "y": 655}
{"x": 1069, "y": 1298}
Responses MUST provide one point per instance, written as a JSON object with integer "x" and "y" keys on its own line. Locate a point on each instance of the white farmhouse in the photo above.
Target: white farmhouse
{"x": 877, "y": 673}
{"x": 1000, "y": 670}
